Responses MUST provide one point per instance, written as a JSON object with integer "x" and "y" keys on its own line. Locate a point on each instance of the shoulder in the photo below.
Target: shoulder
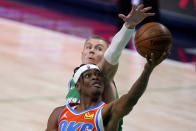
{"x": 55, "y": 113}
{"x": 53, "y": 119}
{"x": 57, "y": 110}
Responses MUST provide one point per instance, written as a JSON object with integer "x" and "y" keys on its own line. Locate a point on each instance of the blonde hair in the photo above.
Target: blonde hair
{"x": 97, "y": 37}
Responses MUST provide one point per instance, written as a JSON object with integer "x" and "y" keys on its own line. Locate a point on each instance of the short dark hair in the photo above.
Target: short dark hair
{"x": 78, "y": 68}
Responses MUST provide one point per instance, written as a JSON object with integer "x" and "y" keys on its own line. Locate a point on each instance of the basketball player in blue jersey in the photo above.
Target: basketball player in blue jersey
{"x": 92, "y": 114}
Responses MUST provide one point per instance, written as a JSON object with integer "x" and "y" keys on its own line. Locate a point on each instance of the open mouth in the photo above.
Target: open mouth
{"x": 91, "y": 58}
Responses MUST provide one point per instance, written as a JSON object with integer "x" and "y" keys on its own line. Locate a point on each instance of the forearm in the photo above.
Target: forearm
{"x": 139, "y": 87}
{"x": 118, "y": 43}
{"x": 109, "y": 63}
{"x": 125, "y": 104}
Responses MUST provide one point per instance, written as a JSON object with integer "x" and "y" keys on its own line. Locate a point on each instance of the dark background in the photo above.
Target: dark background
{"x": 178, "y": 15}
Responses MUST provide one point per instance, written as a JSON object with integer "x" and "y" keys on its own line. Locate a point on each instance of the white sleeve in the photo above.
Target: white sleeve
{"x": 118, "y": 43}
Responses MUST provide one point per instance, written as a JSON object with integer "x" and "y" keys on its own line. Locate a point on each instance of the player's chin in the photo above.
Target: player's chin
{"x": 90, "y": 62}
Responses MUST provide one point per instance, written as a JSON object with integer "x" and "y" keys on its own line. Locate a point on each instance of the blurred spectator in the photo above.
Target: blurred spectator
{"x": 123, "y": 7}
{"x": 155, "y": 8}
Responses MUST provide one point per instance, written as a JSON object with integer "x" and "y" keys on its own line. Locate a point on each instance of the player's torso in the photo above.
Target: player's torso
{"x": 88, "y": 120}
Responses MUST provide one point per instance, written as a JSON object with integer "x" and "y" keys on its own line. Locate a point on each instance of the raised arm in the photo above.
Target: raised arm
{"x": 109, "y": 63}
{"x": 121, "y": 107}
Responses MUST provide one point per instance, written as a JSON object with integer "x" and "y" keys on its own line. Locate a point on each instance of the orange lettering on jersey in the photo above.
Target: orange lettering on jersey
{"x": 89, "y": 115}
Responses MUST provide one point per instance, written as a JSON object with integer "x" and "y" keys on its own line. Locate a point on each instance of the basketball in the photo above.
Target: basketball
{"x": 154, "y": 38}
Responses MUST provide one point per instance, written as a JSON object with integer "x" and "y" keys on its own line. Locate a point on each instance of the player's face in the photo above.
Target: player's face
{"x": 93, "y": 51}
{"x": 93, "y": 84}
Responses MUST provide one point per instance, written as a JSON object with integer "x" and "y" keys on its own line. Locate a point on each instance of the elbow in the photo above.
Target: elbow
{"x": 133, "y": 101}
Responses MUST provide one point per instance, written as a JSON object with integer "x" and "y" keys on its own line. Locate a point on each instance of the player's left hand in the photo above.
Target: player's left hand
{"x": 136, "y": 15}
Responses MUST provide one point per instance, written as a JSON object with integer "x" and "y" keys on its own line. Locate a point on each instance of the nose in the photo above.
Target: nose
{"x": 92, "y": 50}
{"x": 95, "y": 76}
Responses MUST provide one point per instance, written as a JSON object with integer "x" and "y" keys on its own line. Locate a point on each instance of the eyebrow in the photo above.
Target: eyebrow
{"x": 100, "y": 45}
{"x": 86, "y": 72}
{"x": 89, "y": 43}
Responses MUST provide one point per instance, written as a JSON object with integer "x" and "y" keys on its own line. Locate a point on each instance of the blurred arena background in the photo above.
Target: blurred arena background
{"x": 86, "y": 17}
{"x": 40, "y": 45}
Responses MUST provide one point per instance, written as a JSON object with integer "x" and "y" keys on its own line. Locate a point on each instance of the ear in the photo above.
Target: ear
{"x": 77, "y": 86}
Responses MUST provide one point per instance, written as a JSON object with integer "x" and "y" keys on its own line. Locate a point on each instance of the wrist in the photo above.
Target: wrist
{"x": 148, "y": 68}
{"x": 129, "y": 26}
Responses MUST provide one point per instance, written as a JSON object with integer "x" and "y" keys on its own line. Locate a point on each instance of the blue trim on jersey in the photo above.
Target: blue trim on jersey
{"x": 78, "y": 113}
{"x": 96, "y": 120}
{"x": 59, "y": 117}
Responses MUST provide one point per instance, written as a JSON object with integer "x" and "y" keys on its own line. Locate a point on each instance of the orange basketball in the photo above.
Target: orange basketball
{"x": 154, "y": 38}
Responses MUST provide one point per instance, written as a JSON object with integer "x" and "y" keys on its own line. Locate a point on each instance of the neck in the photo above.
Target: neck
{"x": 86, "y": 103}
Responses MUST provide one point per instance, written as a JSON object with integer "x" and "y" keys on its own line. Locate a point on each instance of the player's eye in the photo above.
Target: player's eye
{"x": 88, "y": 47}
{"x": 88, "y": 75}
{"x": 99, "y": 48}
{"x": 98, "y": 74}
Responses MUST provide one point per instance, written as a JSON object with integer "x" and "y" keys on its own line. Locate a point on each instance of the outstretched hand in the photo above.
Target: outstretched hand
{"x": 152, "y": 62}
{"x": 136, "y": 15}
